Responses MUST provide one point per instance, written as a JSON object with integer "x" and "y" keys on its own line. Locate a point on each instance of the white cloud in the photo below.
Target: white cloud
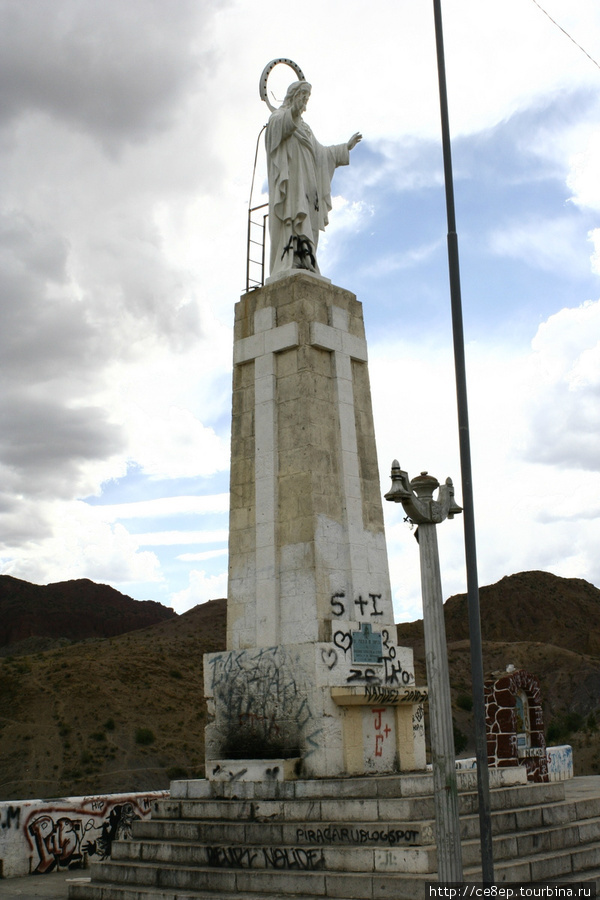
{"x": 175, "y": 446}
{"x": 381, "y": 266}
{"x": 80, "y": 64}
{"x": 584, "y": 177}
{"x": 82, "y": 546}
{"x": 564, "y": 410}
{"x": 165, "y": 506}
{"x": 201, "y": 557}
{"x": 202, "y": 587}
{"x": 346, "y": 217}
{"x": 171, "y": 538}
{"x": 550, "y": 244}
{"x": 534, "y": 426}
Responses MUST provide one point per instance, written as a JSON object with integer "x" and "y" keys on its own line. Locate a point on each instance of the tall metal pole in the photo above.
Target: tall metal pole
{"x": 487, "y": 861}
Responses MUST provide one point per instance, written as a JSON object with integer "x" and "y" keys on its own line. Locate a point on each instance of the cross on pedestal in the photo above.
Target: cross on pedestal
{"x": 261, "y": 347}
{"x": 346, "y": 347}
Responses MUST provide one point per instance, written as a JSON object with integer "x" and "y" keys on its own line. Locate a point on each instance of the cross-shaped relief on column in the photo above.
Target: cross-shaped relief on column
{"x": 261, "y": 348}
{"x": 345, "y": 348}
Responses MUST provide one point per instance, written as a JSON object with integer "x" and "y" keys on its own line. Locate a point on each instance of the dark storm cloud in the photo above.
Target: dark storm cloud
{"x": 86, "y": 286}
{"x": 42, "y": 443}
{"x": 40, "y": 328}
{"x": 113, "y": 69}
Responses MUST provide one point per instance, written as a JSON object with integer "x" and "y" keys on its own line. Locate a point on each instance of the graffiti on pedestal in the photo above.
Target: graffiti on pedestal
{"x": 418, "y": 722}
{"x": 365, "y": 649}
{"x": 287, "y": 858}
{"x": 329, "y": 657}
{"x": 367, "y": 605}
{"x": 262, "y": 698}
{"x": 367, "y": 834}
{"x": 382, "y": 730}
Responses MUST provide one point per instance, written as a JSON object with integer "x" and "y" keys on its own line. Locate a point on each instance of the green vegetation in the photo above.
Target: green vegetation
{"x": 176, "y": 772}
{"x": 562, "y": 727}
{"x": 144, "y": 736}
{"x": 460, "y": 738}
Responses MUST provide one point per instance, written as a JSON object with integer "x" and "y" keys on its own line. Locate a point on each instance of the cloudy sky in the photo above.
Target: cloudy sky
{"x": 127, "y": 139}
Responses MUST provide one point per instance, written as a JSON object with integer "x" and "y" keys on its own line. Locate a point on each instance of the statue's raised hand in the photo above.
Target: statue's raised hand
{"x": 354, "y": 140}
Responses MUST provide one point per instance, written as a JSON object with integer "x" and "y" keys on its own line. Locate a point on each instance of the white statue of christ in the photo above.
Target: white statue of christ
{"x": 300, "y": 170}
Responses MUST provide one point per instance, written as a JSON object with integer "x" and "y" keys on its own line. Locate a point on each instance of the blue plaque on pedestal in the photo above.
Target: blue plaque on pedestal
{"x": 366, "y": 645}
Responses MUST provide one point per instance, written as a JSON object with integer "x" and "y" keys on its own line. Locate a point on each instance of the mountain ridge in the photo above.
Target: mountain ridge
{"x": 127, "y": 712}
{"x": 33, "y": 617}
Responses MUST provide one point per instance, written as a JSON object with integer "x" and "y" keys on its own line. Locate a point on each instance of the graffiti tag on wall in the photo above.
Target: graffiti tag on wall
{"x": 386, "y": 669}
{"x": 289, "y": 858}
{"x": 263, "y": 699}
{"x": 62, "y": 836}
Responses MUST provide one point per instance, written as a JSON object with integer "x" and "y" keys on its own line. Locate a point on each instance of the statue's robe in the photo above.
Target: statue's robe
{"x": 300, "y": 170}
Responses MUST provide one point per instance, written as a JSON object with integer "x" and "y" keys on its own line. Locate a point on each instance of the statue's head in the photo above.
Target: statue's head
{"x": 295, "y": 89}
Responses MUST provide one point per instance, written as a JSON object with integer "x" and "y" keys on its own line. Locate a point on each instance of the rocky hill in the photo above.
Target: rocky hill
{"x": 37, "y": 617}
{"x": 529, "y": 606}
{"x": 545, "y": 624}
{"x": 113, "y": 714}
{"x": 127, "y": 712}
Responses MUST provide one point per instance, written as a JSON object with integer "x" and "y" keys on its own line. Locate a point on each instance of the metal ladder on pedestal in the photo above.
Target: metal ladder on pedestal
{"x": 257, "y": 236}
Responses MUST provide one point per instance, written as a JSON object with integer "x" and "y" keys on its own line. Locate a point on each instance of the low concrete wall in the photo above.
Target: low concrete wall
{"x": 559, "y": 759}
{"x": 560, "y": 762}
{"x": 40, "y": 836}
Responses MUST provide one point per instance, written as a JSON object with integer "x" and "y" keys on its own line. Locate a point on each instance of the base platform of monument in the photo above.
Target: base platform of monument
{"x": 348, "y": 838}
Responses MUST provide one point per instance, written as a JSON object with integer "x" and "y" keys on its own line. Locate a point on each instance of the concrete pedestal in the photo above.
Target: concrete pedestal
{"x": 309, "y": 600}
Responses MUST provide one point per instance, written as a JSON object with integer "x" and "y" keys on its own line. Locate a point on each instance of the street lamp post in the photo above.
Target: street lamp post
{"x": 416, "y": 497}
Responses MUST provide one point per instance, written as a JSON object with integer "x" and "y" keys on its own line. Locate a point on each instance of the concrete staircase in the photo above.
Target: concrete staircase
{"x": 352, "y": 839}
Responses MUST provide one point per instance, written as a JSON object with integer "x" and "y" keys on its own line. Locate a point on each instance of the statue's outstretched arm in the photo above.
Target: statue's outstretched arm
{"x": 354, "y": 140}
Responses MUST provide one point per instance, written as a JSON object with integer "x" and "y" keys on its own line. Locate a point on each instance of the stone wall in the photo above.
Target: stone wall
{"x": 559, "y": 760}
{"x": 41, "y": 836}
{"x": 515, "y": 723}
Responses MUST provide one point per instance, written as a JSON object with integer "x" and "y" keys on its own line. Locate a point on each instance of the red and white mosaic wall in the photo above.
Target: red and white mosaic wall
{"x": 515, "y": 723}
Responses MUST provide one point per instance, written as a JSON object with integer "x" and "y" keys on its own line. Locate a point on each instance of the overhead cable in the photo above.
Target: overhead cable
{"x": 591, "y": 58}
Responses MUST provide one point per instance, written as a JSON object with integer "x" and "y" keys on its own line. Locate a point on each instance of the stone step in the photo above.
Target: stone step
{"x": 522, "y": 844}
{"x": 411, "y": 785}
{"x": 393, "y": 833}
{"x": 350, "y": 809}
{"x": 194, "y": 884}
{"x": 586, "y": 876}
{"x": 570, "y": 862}
{"x": 114, "y": 881}
{"x": 258, "y": 850}
{"x": 214, "y": 883}
{"x": 226, "y": 854}
{"x": 414, "y": 890}
{"x": 314, "y": 834}
{"x": 229, "y": 856}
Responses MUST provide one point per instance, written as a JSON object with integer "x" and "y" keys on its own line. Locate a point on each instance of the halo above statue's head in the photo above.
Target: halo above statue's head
{"x": 265, "y": 77}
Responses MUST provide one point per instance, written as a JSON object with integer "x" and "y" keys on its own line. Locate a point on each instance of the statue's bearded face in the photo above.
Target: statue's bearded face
{"x": 301, "y": 100}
